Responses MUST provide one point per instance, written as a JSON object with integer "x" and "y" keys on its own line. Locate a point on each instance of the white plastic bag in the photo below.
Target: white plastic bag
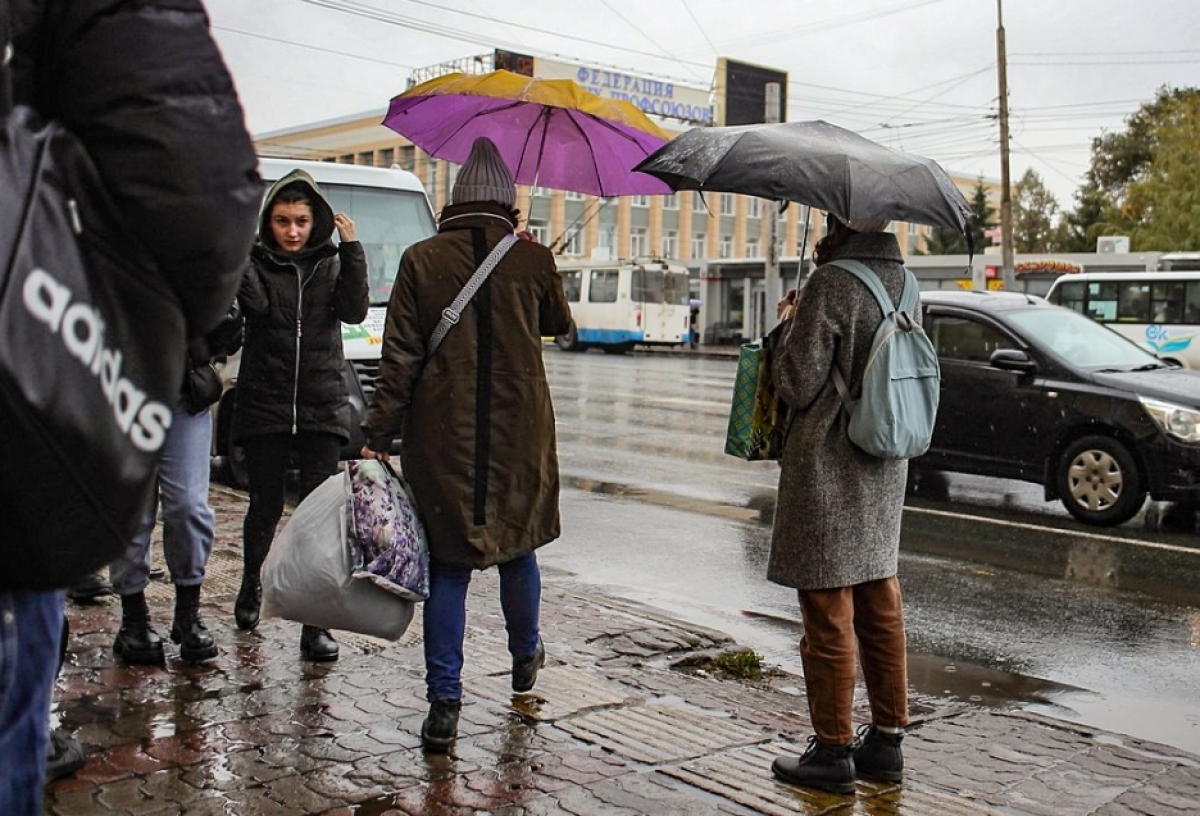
{"x": 306, "y": 576}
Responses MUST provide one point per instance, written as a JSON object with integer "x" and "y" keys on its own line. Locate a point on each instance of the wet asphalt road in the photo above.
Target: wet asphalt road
{"x": 658, "y": 521}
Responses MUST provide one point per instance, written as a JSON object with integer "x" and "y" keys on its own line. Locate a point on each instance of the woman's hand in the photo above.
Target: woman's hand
{"x": 367, "y": 453}
{"x": 345, "y": 227}
{"x": 786, "y": 307}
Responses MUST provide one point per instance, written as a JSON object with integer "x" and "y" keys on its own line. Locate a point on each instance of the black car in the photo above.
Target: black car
{"x": 1040, "y": 393}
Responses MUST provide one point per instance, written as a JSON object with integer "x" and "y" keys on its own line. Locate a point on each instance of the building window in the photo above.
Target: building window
{"x": 671, "y": 202}
{"x": 639, "y": 242}
{"x": 698, "y": 245}
{"x": 726, "y": 203}
{"x": 571, "y": 195}
{"x": 753, "y": 208}
{"x": 540, "y": 230}
{"x": 698, "y": 204}
{"x": 670, "y": 244}
{"x": 914, "y": 228}
{"x": 639, "y": 201}
{"x": 752, "y": 248}
{"x": 726, "y": 246}
{"x": 574, "y": 243}
{"x": 386, "y": 157}
{"x": 540, "y": 192}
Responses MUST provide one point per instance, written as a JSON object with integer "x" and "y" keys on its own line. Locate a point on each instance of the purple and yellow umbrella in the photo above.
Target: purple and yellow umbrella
{"x": 550, "y": 132}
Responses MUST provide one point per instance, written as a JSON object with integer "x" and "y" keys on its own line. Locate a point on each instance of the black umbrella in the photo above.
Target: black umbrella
{"x": 814, "y": 163}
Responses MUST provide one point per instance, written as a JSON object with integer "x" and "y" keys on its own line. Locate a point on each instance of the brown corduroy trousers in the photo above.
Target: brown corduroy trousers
{"x": 834, "y": 619}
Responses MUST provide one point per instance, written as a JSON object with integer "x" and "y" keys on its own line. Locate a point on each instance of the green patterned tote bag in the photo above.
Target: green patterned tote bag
{"x": 756, "y": 416}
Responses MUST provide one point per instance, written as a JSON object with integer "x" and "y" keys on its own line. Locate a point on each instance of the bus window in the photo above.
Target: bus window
{"x": 1071, "y": 295}
{"x": 1191, "y": 309}
{"x": 572, "y": 284}
{"x": 1166, "y": 302}
{"x": 602, "y": 286}
{"x": 1133, "y": 302}
{"x": 1102, "y": 301}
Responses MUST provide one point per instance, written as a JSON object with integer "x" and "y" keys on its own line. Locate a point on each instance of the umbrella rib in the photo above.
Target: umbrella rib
{"x": 453, "y": 133}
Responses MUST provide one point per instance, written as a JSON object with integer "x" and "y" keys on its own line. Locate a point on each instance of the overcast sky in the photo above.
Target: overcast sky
{"x": 920, "y": 75}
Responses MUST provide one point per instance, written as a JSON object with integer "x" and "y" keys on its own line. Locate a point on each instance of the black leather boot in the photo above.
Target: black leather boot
{"x": 137, "y": 643}
{"x": 823, "y": 766}
{"x": 878, "y": 755}
{"x": 317, "y": 645}
{"x": 525, "y": 669}
{"x": 441, "y": 726}
{"x": 195, "y": 643}
{"x": 249, "y": 598}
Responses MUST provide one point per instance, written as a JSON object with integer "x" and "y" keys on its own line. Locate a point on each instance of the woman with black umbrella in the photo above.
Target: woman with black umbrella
{"x": 836, "y": 536}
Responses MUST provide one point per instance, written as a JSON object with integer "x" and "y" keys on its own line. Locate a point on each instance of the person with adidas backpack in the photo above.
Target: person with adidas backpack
{"x": 836, "y": 535}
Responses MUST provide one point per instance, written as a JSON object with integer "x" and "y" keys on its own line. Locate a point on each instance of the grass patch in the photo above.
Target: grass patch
{"x": 744, "y": 665}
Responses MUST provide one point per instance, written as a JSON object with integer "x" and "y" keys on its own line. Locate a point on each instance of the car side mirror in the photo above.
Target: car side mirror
{"x": 1011, "y": 359}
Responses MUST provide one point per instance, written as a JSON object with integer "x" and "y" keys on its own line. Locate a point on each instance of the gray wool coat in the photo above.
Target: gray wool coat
{"x": 837, "y": 522}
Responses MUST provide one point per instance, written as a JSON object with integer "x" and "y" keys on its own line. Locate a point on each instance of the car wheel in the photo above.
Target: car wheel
{"x": 1099, "y": 482}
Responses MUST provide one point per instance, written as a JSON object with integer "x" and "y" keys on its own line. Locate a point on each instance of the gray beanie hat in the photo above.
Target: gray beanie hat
{"x": 484, "y": 177}
{"x": 865, "y": 224}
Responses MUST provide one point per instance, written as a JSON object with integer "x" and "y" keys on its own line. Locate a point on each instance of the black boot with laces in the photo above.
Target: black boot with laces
{"x": 195, "y": 643}
{"x": 822, "y": 766}
{"x": 877, "y": 755}
{"x": 137, "y": 643}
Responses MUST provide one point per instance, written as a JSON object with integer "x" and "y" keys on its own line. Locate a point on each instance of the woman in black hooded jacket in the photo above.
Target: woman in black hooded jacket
{"x": 291, "y": 396}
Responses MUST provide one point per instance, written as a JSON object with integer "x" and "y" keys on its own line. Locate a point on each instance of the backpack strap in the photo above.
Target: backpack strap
{"x": 908, "y": 302}
{"x": 453, "y": 312}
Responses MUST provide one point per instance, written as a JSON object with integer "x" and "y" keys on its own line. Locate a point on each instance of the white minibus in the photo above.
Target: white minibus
{"x": 616, "y": 305}
{"x": 390, "y": 212}
{"x": 1158, "y": 310}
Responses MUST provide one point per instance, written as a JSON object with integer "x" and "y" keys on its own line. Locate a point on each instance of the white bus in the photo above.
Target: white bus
{"x": 1158, "y": 310}
{"x": 390, "y": 212}
{"x": 616, "y": 305}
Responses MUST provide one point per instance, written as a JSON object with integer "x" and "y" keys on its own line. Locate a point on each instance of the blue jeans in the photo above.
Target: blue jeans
{"x": 446, "y": 620}
{"x": 183, "y": 477}
{"x": 30, "y": 631}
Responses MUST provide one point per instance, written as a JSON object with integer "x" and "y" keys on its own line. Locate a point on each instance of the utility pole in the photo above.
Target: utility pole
{"x": 772, "y": 281}
{"x": 1006, "y": 225}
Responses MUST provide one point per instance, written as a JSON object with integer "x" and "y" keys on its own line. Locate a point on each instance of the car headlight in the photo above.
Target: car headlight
{"x": 1176, "y": 420}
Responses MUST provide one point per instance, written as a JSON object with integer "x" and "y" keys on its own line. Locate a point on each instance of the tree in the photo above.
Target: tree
{"x": 1143, "y": 180}
{"x": 1082, "y": 226}
{"x": 945, "y": 241}
{"x": 1034, "y": 210}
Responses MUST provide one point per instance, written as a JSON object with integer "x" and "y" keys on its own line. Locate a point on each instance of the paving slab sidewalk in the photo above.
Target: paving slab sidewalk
{"x": 614, "y": 726}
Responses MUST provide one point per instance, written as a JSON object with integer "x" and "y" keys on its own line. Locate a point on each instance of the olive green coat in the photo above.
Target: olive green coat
{"x": 475, "y": 422}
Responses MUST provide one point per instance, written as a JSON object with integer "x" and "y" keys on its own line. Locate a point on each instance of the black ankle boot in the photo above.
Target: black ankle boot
{"x": 441, "y": 726}
{"x": 195, "y": 643}
{"x": 137, "y": 643}
{"x": 525, "y": 670}
{"x": 255, "y": 545}
{"x": 877, "y": 755}
{"x": 823, "y": 766}
{"x": 249, "y": 599}
{"x": 317, "y": 645}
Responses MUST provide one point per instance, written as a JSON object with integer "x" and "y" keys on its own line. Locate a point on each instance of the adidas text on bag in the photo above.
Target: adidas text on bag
{"x": 894, "y": 416}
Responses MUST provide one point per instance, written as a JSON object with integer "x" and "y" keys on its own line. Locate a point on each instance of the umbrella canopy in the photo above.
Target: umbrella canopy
{"x": 550, "y": 132}
{"x": 814, "y": 163}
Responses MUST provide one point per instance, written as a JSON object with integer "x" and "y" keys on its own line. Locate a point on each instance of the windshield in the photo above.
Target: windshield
{"x": 1080, "y": 340}
{"x": 387, "y": 222}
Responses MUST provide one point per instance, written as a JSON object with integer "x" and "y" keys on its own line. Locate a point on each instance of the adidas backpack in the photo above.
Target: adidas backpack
{"x": 893, "y": 419}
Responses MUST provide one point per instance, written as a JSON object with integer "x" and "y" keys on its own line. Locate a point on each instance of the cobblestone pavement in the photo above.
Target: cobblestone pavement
{"x": 616, "y": 725}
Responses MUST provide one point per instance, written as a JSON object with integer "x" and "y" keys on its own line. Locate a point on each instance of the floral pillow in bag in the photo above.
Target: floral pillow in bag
{"x": 387, "y": 541}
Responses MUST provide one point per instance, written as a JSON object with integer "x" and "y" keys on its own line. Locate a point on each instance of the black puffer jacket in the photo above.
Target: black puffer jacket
{"x": 292, "y": 362}
{"x": 171, "y": 144}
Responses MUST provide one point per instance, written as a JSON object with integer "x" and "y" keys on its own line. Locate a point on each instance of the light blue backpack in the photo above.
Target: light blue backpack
{"x": 893, "y": 419}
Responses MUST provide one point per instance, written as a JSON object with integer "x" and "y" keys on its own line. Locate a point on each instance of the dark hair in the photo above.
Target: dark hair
{"x": 835, "y": 235}
{"x": 296, "y": 192}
